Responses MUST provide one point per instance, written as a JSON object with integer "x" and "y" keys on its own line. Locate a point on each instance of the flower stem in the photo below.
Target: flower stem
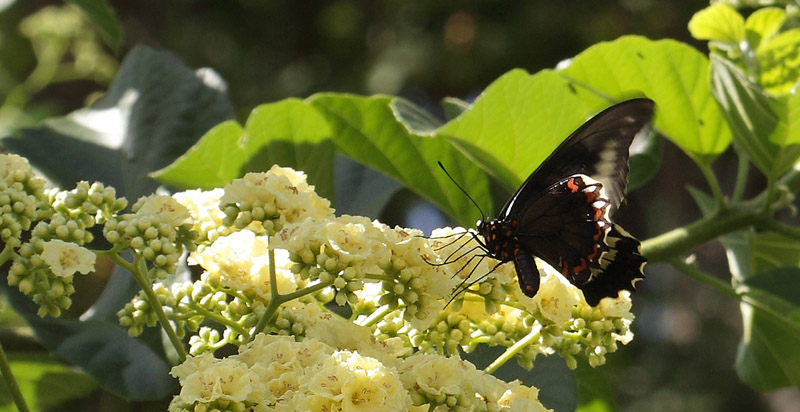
{"x": 11, "y": 381}
{"x": 139, "y": 272}
{"x": 512, "y": 350}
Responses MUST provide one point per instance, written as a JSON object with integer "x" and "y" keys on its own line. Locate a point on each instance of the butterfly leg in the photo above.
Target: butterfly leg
{"x": 527, "y": 272}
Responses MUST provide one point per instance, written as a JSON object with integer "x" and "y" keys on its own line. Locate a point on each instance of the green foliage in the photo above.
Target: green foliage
{"x": 36, "y": 372}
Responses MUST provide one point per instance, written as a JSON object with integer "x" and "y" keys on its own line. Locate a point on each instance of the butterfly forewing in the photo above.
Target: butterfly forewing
{"x": 561, "y": 213}
{"x": 599, "y": 149}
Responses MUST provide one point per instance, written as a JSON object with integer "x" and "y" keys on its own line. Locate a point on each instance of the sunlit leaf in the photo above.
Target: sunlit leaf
{"x": 673, "y": 74}
{"x": 288, "y": 133}
{"x": 718, "y": 22}
{"x": 766, "y": 128}
{"x": 516, "y": 123}
{"x": 367, "y": 130}
{"x": 763, "y": 24}
{"x": 779, "y": 62}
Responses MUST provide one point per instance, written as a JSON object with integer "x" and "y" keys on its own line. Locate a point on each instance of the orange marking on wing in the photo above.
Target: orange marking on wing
{"x": 572, "y": 186}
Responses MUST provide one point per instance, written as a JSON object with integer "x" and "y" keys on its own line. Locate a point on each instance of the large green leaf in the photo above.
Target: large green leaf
{"x": 671, "y": 73}
{"x": 770, "y": 306}
{"x": 289, "y": 133}
{"x": 44, "y": 382}
{"x": 516, "y": 123}
{"x": 367, "y": 130}
{"x": 770, "y": 348}
{"x": 765, "y": 127}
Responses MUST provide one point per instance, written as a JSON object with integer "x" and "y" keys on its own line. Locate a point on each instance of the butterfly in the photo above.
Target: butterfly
{"x": 562, "y": 212}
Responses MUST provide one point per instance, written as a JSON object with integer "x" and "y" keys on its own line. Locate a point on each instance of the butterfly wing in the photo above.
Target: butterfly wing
{"x": 563, "y": 209}
{"x": 599, "y": 149}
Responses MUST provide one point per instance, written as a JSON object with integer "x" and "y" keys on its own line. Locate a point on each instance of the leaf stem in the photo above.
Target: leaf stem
{"x": 713, "y": 183}
{"x": 742, "y": 172}
{"x": 703, "y": 277}
{"x": 11, "y": 381}
{"x": 683, "y": 239}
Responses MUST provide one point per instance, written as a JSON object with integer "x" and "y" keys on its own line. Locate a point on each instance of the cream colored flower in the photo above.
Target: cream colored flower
{"x": 66, "y": 258}
{"x": 241, "y": 261}
{"x": 435, "y": 374}
{"x": 224, "y": 379}
{"x": 203, "y": 206}
{"x": 282, "y": 189}
{"x": 521, "y": 398}
{"x": 168, "y": 210}
{"x": 556, "y": 297}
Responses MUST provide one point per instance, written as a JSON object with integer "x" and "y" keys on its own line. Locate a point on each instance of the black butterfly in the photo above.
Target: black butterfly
{"x": 561, "y": 213}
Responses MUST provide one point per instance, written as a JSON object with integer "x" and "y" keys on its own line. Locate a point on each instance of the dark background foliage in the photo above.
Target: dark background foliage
{"x": 266, "y": 50}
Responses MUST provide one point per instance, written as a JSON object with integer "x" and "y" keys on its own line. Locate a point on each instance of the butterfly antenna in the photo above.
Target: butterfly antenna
{"x": 462, "y": 190}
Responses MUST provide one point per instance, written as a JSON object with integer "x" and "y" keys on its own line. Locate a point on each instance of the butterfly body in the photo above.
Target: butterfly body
{"x": 562, "y": 212}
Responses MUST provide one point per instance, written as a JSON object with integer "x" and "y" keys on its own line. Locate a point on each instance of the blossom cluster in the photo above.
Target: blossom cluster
{"x": 277, "y": 373}
{"x": 275, "y": 259}
{"x": 43, "y": 265}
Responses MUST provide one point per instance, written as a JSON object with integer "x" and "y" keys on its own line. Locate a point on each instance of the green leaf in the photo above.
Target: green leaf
{"x": 769, "y": 352}
{"x": 45, "y": 383}
{"x": 671, "y": 73}
{"x": 289, "y": 133}
{"x": 778, "y": 62}
{"x": 516, "y": 123}
{"x": 414, "y": 118}
{"x": 453, "y": 107}
{"x": 366, "y": 129}
{"x": 762, "y": 25}
{"x": 766, "y": 128}
{"x": 770, "y": 250}
{"x": 101, "y": 14}
{"x": 216, "y": 159}
{"x": 718, "y": 22}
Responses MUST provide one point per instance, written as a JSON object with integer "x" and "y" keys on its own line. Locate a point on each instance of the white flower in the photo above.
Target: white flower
{"x": 241, "y": 261}
{"x": 224, "y": 379}
{"x": 66, "y": 258}
{"x": 168, "y": 210}
{"x": 556, "y": 297}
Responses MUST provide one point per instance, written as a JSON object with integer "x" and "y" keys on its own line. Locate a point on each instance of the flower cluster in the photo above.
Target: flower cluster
{"x": 21, "y": 198}
{"x": 348, "y": 252}
{"x": 274, "y": 259}
{"x": 43, "y": 265}
{"x": 156, "y": 231}
{"x": 277, "y": 373}
{"x": 271, "y": 199}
